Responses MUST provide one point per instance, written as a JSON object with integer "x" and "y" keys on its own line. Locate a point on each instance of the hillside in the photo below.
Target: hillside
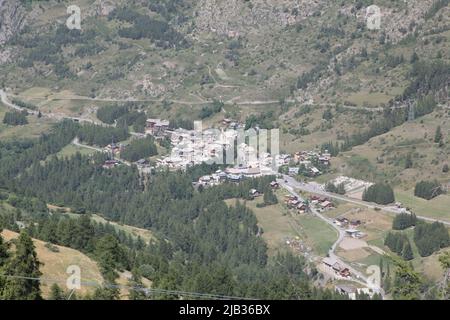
{"x": 349, "y": 100}
{"x": 239, "y": 52}
{"x": 56, "y": 262}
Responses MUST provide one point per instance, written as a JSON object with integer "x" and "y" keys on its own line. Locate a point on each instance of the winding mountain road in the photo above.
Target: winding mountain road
{"x": 315, "y": 189}
{"x": 357, "y": 276}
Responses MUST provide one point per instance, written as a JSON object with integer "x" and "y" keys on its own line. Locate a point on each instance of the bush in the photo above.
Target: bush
{"x": 399, "y": 243}
{"x": 51, "y": 247}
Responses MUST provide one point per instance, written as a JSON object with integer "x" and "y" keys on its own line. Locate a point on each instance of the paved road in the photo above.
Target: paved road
{"x": 231, "y": 101}
{"x": 77, "y": 143}
{"x": 314, "y": 188}
{"x": 5, "y": 101}
{"x": 55, "y": 116}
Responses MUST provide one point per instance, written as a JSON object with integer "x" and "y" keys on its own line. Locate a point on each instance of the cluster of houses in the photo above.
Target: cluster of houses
{"x": 344, "y": 222}
{"x": 190, "y": 147}
{"x": 306, "y": 157}
{"x": 212, "y": 180}
{"x": 334, "y": 265}
{"x": 293, "y": 202}
{"x": 308, "y": 161}
{"x": 321, "y": 203}
{"x": 114, "y": 149}
{"x": 350, "y": 227}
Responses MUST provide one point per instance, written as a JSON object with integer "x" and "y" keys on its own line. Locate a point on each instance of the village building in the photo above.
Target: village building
{"x": 274, "y": 185}
{"x": 110, "y": 164}
{"x": 354, "y": 233}
{"x": 293, "y": 171}
{"x": 234, "y": 177}
{"x": 156, "y": 127}
{"x": 336, "y": 267}
{"x": 254, "y": 193}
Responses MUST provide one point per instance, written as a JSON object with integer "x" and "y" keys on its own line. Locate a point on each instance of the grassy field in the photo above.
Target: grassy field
{"x": 71, "y": 149}
{"x": 279, "y": 224}
{"x": 55, "y": 264}
{"x": 134, "y": 232}
{"x": 275, "y": 222}
{"x": 369, "y": 98}
{"x": 33, "y": 129}
{"x": 145, "y": 234}
{"x": 438, "y": 208}
{"x": 318, "y": 233}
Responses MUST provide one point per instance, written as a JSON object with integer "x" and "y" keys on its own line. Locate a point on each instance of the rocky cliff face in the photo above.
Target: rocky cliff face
{"x": 231, "y": 17}
{"x": 234, "y": 17}
{"x": 12, "y": 19}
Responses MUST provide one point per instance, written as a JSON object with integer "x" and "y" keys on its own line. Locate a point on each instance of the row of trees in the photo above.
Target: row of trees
{"x": 15, "y": 118}
{"x": 208, "y": 111}
{"x": 92, "y": 134}
{"x": 430, "y": 238}
{"x": 331, "y": 187}
{"x": 109, "y": 114}
{"x": 139, "y": 149}
{"x": 428, "y": 189}
{"x": 143, "y": 26}
{"x": 17, "y": 156}
{"x": 379, "y": 193}
{"x": 399, "y": 243}
{"x": 23, "y": 104}
{"x": 404, "y": 221}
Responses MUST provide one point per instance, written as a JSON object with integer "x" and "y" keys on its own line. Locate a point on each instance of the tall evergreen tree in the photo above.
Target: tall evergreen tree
{"x": 24, "y": 263}
{"x": 438, "y": 135}
{"x": 407, "y": 253}
{"x": 4, "y": 255}
{"x": 136, "y": 283}
{"x": 56, "y": 293}
{"x": 407, "y": 282}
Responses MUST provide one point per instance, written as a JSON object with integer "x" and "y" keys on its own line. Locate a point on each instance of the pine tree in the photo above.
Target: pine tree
{"x": 24, "y": 263}
{"x": 4, "y": 255}
{"x": 407, "y": 282}
{"x": 444, "y": 260}
{"x": 341, "y": 188}
{"x": 407, "y": 253}
{"x": 136, "y": 282}
{"x": 438, "y": 135}
{"x": 408, "y": 161}
{"x": 387, "y": 279}
{"x": 56, "y": 293}
{"x": 269, "y": 197}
